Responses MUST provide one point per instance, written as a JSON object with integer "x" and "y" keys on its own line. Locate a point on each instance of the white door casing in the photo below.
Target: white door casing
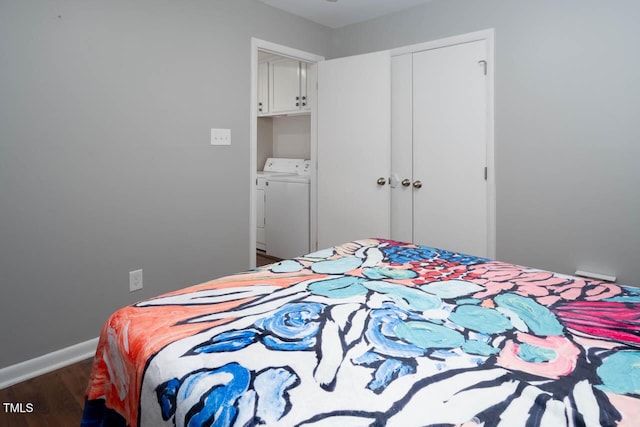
{"x": 353, "y": 148}
{"x": 263, "y": 45}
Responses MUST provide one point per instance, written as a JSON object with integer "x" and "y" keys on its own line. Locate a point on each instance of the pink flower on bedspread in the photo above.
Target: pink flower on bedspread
{"x": 551, "y": 357}
{"x": 546, "y": 287}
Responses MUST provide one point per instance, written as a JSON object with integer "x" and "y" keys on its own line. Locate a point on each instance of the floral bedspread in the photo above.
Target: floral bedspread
{"x": 372, "y": 333}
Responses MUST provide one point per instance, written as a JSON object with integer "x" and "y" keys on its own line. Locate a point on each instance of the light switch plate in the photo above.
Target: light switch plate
{"x": 220, "y": 136}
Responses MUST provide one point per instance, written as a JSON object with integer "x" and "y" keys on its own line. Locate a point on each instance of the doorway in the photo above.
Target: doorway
{"x": 283, "y": 59}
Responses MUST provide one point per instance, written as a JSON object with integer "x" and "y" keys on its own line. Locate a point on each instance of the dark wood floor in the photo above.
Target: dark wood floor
{"x": 57, "y": 398}
{"x": 264, "y": 259}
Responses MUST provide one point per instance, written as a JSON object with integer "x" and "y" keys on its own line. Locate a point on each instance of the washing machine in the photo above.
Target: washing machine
{"x": 283, "y": 204}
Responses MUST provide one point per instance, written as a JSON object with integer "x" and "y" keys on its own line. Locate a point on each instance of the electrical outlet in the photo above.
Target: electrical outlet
{"x": 135, "y": 280}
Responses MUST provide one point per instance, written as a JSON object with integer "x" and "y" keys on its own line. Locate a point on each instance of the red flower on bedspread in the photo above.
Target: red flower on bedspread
{"x": 545, "y": 287}
{"x": 613, "y": 321}
{"x": 435, "y": 270}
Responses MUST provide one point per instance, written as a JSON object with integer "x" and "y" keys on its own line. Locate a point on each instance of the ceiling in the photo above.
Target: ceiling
{"x": 336, "y": 14}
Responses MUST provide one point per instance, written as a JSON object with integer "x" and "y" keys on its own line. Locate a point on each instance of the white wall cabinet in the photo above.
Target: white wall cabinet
{"x": 263, "y": 88}
{"x": 282, "y": 87}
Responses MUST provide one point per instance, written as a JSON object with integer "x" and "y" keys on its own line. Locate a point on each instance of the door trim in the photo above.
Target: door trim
{"x": 258, "y": 44}
{"x": 487, "y": 35}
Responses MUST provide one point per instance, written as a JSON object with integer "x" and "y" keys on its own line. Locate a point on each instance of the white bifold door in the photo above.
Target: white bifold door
{"x": 353, "y": 148}
{"x": 438, "y": 101}
{"x": 440, "y": 148}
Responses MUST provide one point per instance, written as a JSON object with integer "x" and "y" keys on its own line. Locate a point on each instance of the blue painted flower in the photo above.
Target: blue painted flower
{"x": 340, "y": 287}
{"x": 405, "y": 297}
{"x": 387, "y": 369}
{"x": 398, "y": 337}
{"x": 481, "y": 319}
{"x": 399, "y": 333}
{"x": 293, "y": 327}
{"x": 382, "y": 273}
{"x": 216, "y": 406}
{"x": 226, "y": 341}
{"x": 620, "y": 373}
{"x": 459, "y": 258}
{"x": 381, "y": 332}
{"x": 538, "y": 318}
{"x": 272, "y": 387}
{"x": 404, "y": 254}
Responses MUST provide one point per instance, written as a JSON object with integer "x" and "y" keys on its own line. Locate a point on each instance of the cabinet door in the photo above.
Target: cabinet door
{"x": 304, "y": 88}
{"x": 449, "y": 148}
{"x": 263, "y": 88}
{"x": 354, "y": 137}
{"x": 284, "y": 85}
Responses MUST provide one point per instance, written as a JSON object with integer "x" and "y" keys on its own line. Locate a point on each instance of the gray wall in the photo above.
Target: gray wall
{"x": 567, "y": 111}
{"x": 105, "y": 167}
{"x": 105, "y": 162}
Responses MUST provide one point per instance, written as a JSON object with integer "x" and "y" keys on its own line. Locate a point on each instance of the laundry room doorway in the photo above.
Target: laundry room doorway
{"x": 282, "y": 151}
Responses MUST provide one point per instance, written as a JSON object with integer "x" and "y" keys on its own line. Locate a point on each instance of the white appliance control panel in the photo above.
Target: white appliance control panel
{"x": 275, "y": 164}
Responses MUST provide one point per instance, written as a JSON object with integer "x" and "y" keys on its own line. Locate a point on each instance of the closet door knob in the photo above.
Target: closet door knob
{"x": 381, "y": 181}
{"x": 417, "y": 184}
{"x": 406, "y": 182}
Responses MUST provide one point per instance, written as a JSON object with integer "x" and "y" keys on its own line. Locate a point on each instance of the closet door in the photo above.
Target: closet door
{"x": 354, "y": 143}
{"x": 449, "y": 148}
{"x": 401, "y": 147}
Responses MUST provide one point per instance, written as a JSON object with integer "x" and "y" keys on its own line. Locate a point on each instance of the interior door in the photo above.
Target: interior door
{"x": 402, "y": 147}
{"x": 353, "y": 148}
{"x": 449, "y": 148}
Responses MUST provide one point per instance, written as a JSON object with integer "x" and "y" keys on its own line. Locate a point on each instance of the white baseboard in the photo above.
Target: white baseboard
{"x": 47, "y": 363}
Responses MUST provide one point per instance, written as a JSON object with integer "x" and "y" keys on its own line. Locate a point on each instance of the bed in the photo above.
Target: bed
{"x": 370, "y": 333}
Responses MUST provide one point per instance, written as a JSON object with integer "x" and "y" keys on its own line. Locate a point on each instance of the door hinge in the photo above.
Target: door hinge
{"x": 484, "y": 65}
{"x": 485, "y": 173}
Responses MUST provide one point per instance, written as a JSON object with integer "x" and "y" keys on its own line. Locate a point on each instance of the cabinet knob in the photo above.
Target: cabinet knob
{"x": 381, "y": 181}
{"x": 417, "y": 184}
{"x": 406, "y": 182}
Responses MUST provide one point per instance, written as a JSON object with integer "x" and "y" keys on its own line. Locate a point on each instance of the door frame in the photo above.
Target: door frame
{"x": 263, "y": 45}
{"x": 488, "y": 36}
